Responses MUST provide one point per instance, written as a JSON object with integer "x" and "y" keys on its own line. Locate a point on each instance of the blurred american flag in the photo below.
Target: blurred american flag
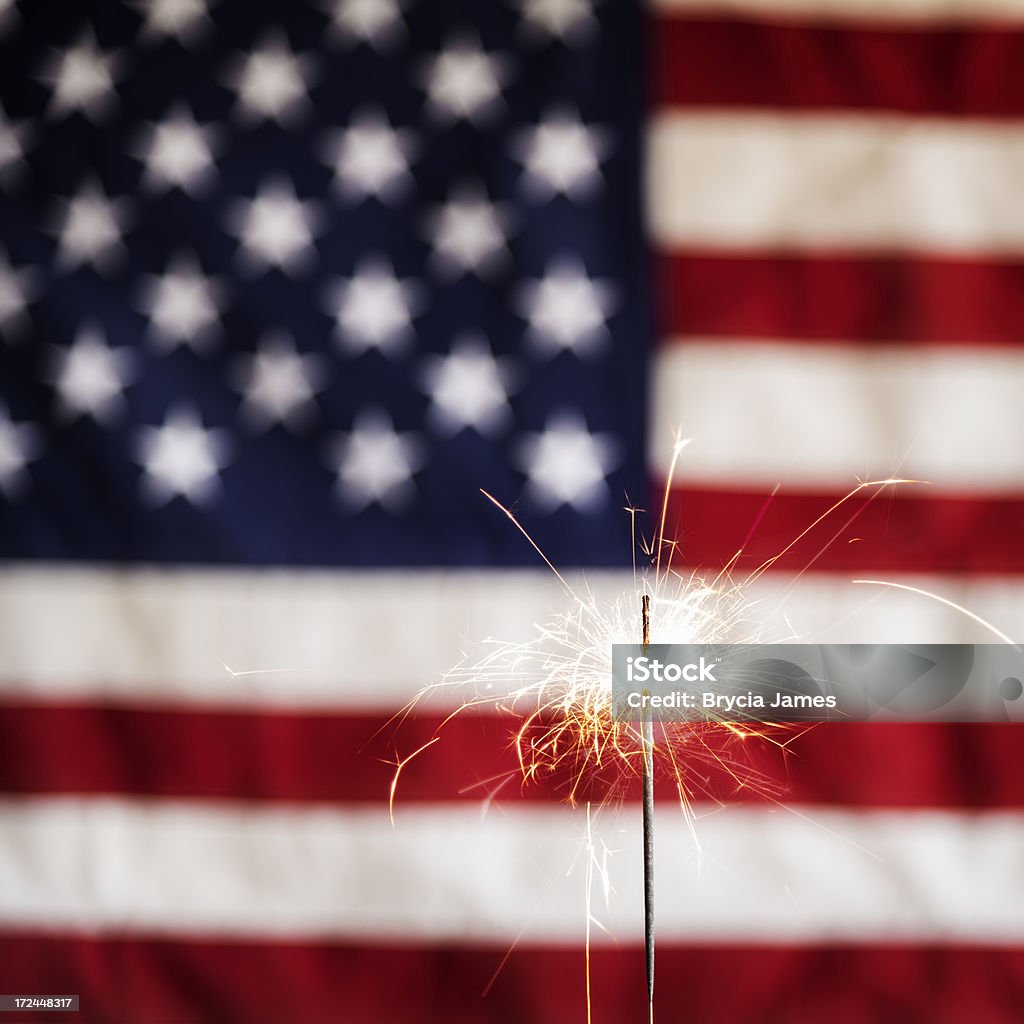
{"x": 282, "y": 285}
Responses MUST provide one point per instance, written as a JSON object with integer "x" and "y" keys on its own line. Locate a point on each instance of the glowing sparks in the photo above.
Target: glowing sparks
{"x": 557, "y": 685}
{"x": 398, "y": 772}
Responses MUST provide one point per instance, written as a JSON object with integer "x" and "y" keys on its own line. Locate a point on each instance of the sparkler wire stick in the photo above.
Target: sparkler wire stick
{"x": 647, "y": 755}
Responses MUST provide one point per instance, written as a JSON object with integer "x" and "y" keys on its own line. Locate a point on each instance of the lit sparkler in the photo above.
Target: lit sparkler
{"x": 557, "y": 684}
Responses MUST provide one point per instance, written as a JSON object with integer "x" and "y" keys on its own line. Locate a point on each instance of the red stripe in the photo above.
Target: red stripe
{"x": 127, "y": 981}
{"x": 760, "y": 64}
{"x": 830, "y": 295}
{"x": 913, "y": 530}
{"x": 303, "y": 758}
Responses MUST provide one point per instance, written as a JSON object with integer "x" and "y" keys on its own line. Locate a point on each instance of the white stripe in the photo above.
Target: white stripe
{"x": 918, "y": 12}
{"x": 823, "y": 416}
{"x": 851, "y": 182}
{"x": 446, "y": 874}
{"x": 309, "y": 639}
{"x": 353, "y": 641}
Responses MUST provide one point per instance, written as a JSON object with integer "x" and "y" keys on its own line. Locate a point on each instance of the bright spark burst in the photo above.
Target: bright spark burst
{"x": 557, "y": 686}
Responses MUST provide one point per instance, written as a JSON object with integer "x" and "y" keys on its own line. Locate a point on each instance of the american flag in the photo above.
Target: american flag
{"x": 282, "y": 286}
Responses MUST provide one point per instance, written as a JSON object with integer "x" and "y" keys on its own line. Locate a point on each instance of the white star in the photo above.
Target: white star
{"x": 20, "y": 443}
{"x": 18, "y": 287}
{"x": 467, "y": 233}
{"x": 562, "y": 155}
{"x": 90, "y": 377}
{"x": 468, "y": 388}
{"x": 275, "y": 228}
{"x": 370, "y": 158}
{"x": 272, "y": 82}
{"x": 181, "y": 458}
{"x": 82, "y": 78}
{"x": 13, "y": 141}
{"x": 567, "y": 310}
{"x": 566, "y": 465}
{"x": 558, "y": 19}
{"x": 90, "y": 229}
{"x": 177, "y": 152}
{"x": 375, "y": 464}
{"x": 184, "y": 20}
{"x": 279, "y": 384}
{"x": 374, "y": 309}
{"x": 183, "y": 305}
{"x": 377, "y": 22}
{"x": 463, "y": 81}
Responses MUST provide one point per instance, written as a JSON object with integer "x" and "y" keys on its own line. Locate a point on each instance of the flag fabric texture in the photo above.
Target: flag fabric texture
{"x": 284, "y": 286}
